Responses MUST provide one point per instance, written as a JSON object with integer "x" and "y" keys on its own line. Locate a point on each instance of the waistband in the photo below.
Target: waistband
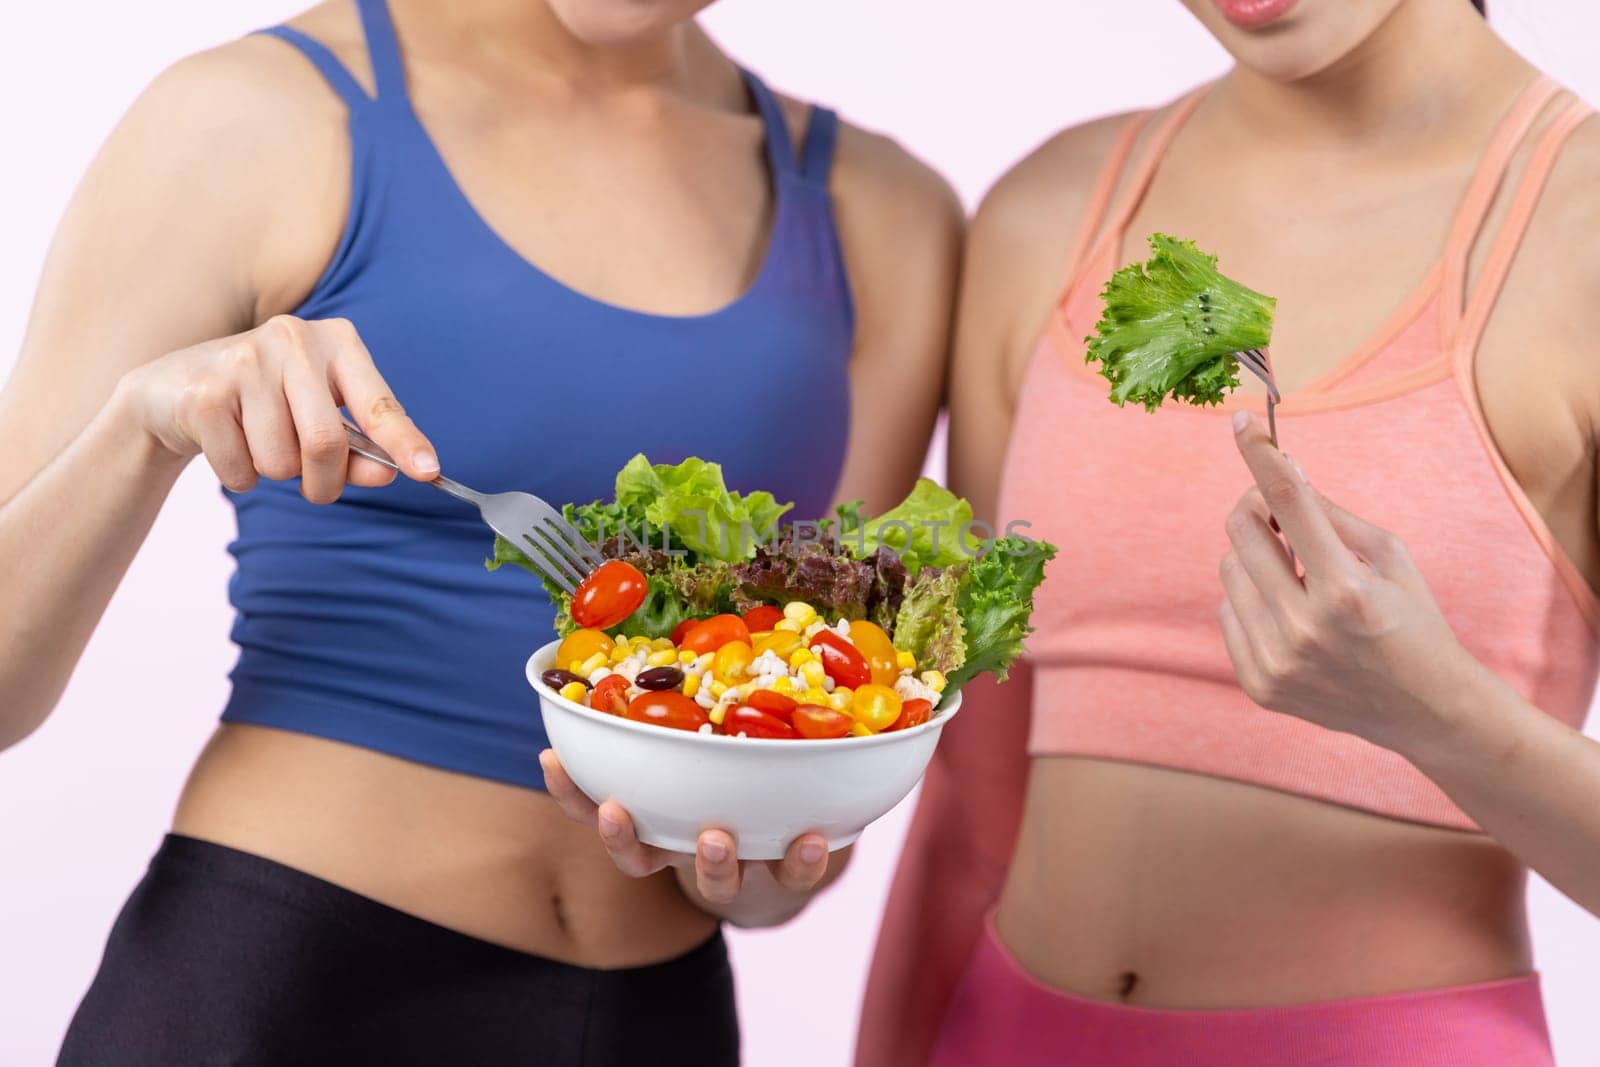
{"x": 1001, "y": 1013}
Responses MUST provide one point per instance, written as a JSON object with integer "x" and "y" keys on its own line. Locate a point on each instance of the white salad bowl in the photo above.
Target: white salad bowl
{"x": 675, "y": 783}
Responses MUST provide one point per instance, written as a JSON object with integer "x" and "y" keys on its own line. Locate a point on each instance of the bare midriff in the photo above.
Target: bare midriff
{"x": 494, "y": 861}
{"x": 1168, "y": 889}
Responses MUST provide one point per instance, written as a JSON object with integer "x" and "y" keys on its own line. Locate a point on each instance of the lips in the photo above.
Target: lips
{"x": 1253, "y": 14}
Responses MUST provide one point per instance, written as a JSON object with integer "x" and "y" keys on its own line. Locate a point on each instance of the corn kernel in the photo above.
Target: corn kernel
{"x": 574, "y": 691}
{"x": 661, "y": 657}
{"x": 935, "y": 680}
{"x": 799, "y": 612}
{"x": 813, "y": 674}
{"x": 801, "y": 655}
{"x": 620, "y": 651}
{"x": 736, "y": 693}
{"x": 663, "y": 644}
{"x": 575, "y": 666}
{"x": 704, "y": 660}
{"x": 686, "y": 657}
{"x": 861, "y": 729}
{"x": 691, "y": 685}
{"x": 718, "y": 713}
{"x": 786, "y": 626}
{"x": 784, "y": 685}
{"x": 718, "y": 687}
{"x": 839, "y": 700}
{"x": 590, "y": 665}
{"x": 904, "y": 660}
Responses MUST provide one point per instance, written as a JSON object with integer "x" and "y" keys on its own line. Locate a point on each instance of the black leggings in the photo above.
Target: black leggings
{"x": 222, "y": 957}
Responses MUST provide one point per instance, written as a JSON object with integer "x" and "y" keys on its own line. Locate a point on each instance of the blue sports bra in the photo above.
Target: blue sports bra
{"x": 372, "y": 621}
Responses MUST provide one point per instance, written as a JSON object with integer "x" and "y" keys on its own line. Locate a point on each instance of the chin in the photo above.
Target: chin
{"x": 1287, "y": 40}
{"x": 611, "y": 23}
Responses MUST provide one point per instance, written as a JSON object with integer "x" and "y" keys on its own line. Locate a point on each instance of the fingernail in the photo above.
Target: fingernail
{"x": 609, "y": 827}
{"x": 811, "y": 852}
{"x": 425, "y": 461}
{"x": 1241, "y": 419}
{"x": 715, "y": 851}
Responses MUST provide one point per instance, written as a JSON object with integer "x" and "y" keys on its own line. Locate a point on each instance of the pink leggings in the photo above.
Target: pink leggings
{"x": 1001, "y": 1015}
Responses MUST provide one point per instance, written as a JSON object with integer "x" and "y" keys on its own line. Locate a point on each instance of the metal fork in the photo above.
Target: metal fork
{"x": 549, "y": 541}
{"x": 1257, "y": 362}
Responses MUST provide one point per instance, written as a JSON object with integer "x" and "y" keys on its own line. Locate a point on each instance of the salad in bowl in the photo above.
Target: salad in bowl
{"x": 728, "y": 668}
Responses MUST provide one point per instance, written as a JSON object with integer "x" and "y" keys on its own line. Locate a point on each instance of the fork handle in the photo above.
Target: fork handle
{"x": 362, "y": 445}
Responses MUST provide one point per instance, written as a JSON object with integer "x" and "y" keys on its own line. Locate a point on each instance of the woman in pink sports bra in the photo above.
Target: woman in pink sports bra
{"x": 1120, "y": 858}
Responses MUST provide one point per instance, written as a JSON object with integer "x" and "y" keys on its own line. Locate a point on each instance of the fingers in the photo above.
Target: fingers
{"x": 716, "y": 867}
{"x": 215, "y": 428}
{"x": 803, "y": 865}
{"x": 371, "y": 403}
{"x": 632, "y": 856}
{"x": 1240, "y": 653}
{"x": 1377, "y": 546}
{"x": 1291, "y": 501}
{"x": 572, "y": 801}
{"x": 1251, "y": 611}
{"x": 1259, "y": 552}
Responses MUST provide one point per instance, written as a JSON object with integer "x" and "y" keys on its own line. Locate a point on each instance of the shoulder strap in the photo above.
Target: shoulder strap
{"x": 1160, "y": 140}
{"x": 1094, "y": 212}
{"x": 383, "y": 49}
{"x": 1503, "y": 251}
{"x": 816, "y": 154}
{"x": 338, "y": 77}
{"x": 1480, "y": 194}
{"x": 779, "y": 151}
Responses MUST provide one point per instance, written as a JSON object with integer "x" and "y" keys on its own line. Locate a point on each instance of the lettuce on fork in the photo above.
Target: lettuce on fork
{"x": 1171, "y": 326}
{"x": 958, "y": 605}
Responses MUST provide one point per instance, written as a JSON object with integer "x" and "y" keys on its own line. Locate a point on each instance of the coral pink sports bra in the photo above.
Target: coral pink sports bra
{"x": 1129, "y": 661}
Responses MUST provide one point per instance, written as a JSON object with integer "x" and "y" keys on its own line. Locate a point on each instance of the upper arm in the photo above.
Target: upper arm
{"x": 1011, "y": 278}
{"x": 213, "y": 203}
{"x": 900, "y": 225}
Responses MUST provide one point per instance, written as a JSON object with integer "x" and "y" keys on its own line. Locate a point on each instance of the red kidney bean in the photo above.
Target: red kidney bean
{"x": 659, "y": 678}
{"x": 555, "y": 678}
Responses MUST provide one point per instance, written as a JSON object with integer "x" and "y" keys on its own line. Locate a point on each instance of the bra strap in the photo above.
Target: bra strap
{"x": 816, "y": 154}
{"x": 1486, "y": 183}
{"x": 1160, "y": 140}
{"x": 780, "y": 153}
{"x": 1497, "y": 265}
{"x": 334, "y": 72}
{"x": 383, "y": 49}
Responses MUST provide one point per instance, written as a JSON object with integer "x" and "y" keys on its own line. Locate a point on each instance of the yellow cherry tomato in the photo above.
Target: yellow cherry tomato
{"x": 874, "y": 644}
{"x": 732, "y": 659}
{"x": 781, "y": 643}
{"x": 581, "y": 644}
{"x": 876, "y": 705}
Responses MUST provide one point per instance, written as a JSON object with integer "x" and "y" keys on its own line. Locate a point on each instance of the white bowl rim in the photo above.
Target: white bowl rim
{"x": 803, "y": 744}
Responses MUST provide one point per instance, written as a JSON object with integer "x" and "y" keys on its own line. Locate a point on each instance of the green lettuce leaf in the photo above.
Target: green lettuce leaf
{"x": 928, "y": 624}
{"x": 925, "y": 529}
{"x": 995, "y": 601}
{"x": 1171, "y": 326}
{"x": 694, "y": 503}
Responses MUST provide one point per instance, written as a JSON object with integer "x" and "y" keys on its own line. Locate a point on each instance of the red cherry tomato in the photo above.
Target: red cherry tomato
{"x": 711, "y": 634}
{"x": 682, "y": 628}
{"x": 913, "y": 712}
{"x": 610, "y": 694}
{"x": 775, "y": 704}
{"x": 763, "y": 618}
{"x": 817, "y": 723}
{"x": 610, "y": 594}
{"x": 753, "y": 722}
{"x": 667, "y": 707}
{"x": 841, "y": 660}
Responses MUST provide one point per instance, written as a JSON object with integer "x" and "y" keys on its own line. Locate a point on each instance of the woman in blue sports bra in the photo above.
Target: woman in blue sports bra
{"x": 557, "y": 232}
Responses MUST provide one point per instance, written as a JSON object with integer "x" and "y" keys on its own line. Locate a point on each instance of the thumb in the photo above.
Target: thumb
{"x": 1368, "y": 540}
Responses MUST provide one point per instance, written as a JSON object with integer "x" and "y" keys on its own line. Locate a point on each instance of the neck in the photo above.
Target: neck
{"x": 529, "y": 35}
{"x": 1426, "y": 65}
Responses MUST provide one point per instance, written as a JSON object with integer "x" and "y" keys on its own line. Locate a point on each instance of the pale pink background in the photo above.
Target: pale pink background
{"x": 969, "y": 86}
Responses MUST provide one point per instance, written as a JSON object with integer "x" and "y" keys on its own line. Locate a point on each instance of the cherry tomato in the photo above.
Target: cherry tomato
{"x": 732, "y": 659}
{"x": 610, "y": 593}
{"x": 682, "y": 628}
{"x": 580, "y": 645}
{"x": 782, "y": 643}
{"x": 668, "y": 708}
{"x": 708, "y": 635}
{"x": 877, "y": 706}
{"x": 763, "y": 618}
{"x": 874, "y": 644}
{"x": 753, "y": 722}
{"x": 841, "y": 661}
{"x": 817, "y": 723}
{"x": 775, "y": 704}
{"x": 610, "y": 694}
{"x": 913, "y": 712}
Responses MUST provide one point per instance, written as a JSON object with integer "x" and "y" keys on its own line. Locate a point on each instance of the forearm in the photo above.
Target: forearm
{"x": 1530, "y": 781}
{"x": 761, "y": 900}
{"x": 66, "y": 539}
